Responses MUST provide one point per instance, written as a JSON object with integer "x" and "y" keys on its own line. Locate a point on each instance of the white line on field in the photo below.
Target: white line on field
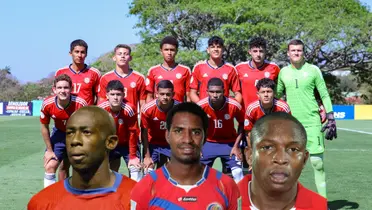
{"x": 348, "y": 150}
{"x": 356, "y": 131}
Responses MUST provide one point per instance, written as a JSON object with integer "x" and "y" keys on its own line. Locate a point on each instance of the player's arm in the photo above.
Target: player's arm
{"x": 280, "y": 86}
{"x": 101, "y": 93}
{"x": 194, "y": 85}
{"x": 150, "y": 86}
{"x": 133, "y": 140}
{"x": 235, "y": 86}
{"x": 240, "y": 119}
{"x": 194, "y": 96}
{"x": 149, "y": 97}
{"x": 142, "y": 92}
{"x": 45, "y": 133}
{"x": 147, "y": 160}
{"x": 187, "y": 85}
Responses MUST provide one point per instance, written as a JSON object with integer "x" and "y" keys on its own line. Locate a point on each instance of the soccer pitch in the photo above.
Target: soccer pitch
{"x": 347, "y": 164}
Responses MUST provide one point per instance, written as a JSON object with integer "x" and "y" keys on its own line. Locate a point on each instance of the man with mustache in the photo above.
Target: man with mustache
{"x": 90, "y": 136}
{"x": 222, "y": 134}
{"x": 156, "y": 149}
{"x": 278, "y": 157}
{"x": 183, "y": 182}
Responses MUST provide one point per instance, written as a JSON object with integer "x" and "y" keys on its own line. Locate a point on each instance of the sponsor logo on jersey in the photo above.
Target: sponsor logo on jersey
{"x": 178, "y": 76}
{"x": 245, "y": 75}
{"x": 132, "y": 84}
{"x": 53, "y": 116}
{"x": 147, "y": 81}
{"x": 86, "y": 80}
{"x": 267, "y": 74}
{"x": 214, "y": 206}
{"x": 160, "y": 77}
{"x": 225, "y": 76}
{"x": 227, "y": 116}
{"x": 246, "y": 122}
{"x": 205, "y": 75}
{"x": 120, "y": 121}
{"x": 155, "y": 118}
{"x": 187, "y": 199}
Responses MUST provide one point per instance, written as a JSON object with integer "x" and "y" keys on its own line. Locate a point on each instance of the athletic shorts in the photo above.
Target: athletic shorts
{"x": 157, "y": 150}
{"x": 213, "y": 150}
{"x": 315, "y": 140}
{"x": 58, "y": 141}
{"x": 122, "y": 151}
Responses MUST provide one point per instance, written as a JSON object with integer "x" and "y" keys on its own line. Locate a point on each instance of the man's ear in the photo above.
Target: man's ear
{"x": 307, "y": 155}
{"x": 111, "y": 142}
{"x": 248, "y": 156}
{"x": 167, "y": 135}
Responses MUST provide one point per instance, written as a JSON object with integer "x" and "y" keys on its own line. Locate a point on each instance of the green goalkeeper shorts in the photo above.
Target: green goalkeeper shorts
{"x": 315, "y": 140}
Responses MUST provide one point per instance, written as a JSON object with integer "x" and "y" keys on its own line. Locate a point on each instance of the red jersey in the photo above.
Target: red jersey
{"x": 134, "y": 86}
{"x": 305, "y": 200}
{"x": 85, "y": 83}
{"x": 179, "y": 76}
{"x": 154, "y": 120}
{"x": 62, "y": 196}
{"x": 249, "y": 76}
{"x": 159, "y": 191}
{"x": 221, "y": 122}
{"x": 255, "y": 111}
{"x": 60, "y": 115}
{"x": 126, "y": 125}
{"x": 203, "y": 72}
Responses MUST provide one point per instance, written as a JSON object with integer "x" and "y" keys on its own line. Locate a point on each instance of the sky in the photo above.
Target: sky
{"x": 36, "y": 35}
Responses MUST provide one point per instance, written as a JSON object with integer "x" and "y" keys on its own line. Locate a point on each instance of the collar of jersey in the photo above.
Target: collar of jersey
{"x": 61, "y": 108}
{"x": 118, "y": 75}
{"x": 167, "y": 176}
{"x": 73, "y": 71}
{"x": 258, "y": 68}
{"x": 210, "y": 66}
{"x": 161, "y": 66}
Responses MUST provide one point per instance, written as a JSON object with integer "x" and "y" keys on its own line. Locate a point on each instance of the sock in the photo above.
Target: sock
{"x": 135, "y": 173}
{"x": 49, "y": 179}
{"x": 319, "y": 173}
{"x": 148, "y": 171}
{"x": 237, "y": 174}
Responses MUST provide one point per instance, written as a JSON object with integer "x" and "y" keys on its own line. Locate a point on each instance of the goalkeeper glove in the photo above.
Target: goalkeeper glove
{"x": 330, "y": 126}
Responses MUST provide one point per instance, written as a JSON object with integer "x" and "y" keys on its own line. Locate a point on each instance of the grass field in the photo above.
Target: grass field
{"x": 347, "y": 163}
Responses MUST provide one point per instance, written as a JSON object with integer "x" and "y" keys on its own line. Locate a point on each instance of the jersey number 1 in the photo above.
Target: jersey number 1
{"x": 296, "y": 83}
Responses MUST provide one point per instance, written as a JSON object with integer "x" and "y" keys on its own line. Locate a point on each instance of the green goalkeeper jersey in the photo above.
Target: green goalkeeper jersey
{"x": 299, "y": 86}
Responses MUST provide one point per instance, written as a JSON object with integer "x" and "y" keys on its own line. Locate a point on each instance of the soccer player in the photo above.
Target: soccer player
{"x": 299, "y": 80}
{"x": 153, "y": 126}
{"x": 185, "y": 183}
{"x": 215, "y": 66}
{"x": 89, "y": 140}
{"x": 178, "y": 74}
{"x": 126, "y": 129}
{"x": 222, "y": 135}
{"x": 278, "y": 157}
{"x": 85, "y": 79}
{"x": 59, "y": 107}
{"x": 257, "y": 68}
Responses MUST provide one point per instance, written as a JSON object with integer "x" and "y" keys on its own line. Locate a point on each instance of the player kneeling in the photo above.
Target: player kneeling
{"x": 126, "y": 129}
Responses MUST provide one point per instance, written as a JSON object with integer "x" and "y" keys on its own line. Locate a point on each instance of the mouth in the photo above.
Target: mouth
{"x": 279, "y": 177}
{"x": 77, "y": 157}
{"x": 187, "y": 150}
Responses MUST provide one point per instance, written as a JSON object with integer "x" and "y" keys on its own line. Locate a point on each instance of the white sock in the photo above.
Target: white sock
{"x": 135, "y": 173}
{"x": 148, "y": 171}
{"x": 49, "y": 179}
{"x": 237, "y": 174}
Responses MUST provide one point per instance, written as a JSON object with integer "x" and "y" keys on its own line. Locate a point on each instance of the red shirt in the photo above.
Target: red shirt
{"x": 305, "y": 200}
{"x": 221, "y": 122}
{"x": 249, "y": 76}
{"x": 50, "y": 109}
{"x": 179, "y": 76}
{"x": 62, "y": 196}
{"x": 203, "y": 72}
{"x": 255, "y": 111}
{"x": 159, "y": 191}
{"x": 126, "y": 125}
{"x": 134, "y": 86}
{"x": 154, "y": 120}
{"x": 84, "y": 83}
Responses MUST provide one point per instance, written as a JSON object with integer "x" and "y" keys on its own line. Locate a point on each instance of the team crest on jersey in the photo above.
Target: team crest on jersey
{"x": 267, "y": 74}
{"x": 132, "y": 84}
{"x": 178, "y": 76}
{"x": 225, "y": 76}
{"x": 120, "y": 121}
{"x": 214, "y": 206}
{"x": 86, "y": 80}
{"x": 42, "y": 115}
{"x": 246, "y": 122}
{"x": 227, "y": 116}
{"x": 147, "y": 81}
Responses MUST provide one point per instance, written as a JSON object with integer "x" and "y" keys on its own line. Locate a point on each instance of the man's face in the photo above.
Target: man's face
{"x": 215, "y": 51}
{"x": 164, "y": 95}
{"x": 168, "y": 52}
{"x": 258, "y": 54}
{"x": 215, "y": 94}
{"x": 279, "y": 156}
{"x": 62, "y": 90}
{"x": 122, "y": 57}
{"x": 266, "y": 95}
{"x": 78, "y": 54}
{"x": 296, "y": 53}
{"x": 115, "y": 97}
{"x": 186, "y": 137}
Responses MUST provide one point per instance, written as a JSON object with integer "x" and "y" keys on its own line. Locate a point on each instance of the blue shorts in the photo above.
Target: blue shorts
{"x": 157, "y": 150}
{"x": 212, "y": 150}
{"x": 58, "y": 141}
{"x": 121, "y": 151}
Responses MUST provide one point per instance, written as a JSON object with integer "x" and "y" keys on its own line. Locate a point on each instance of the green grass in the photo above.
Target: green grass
{"x": 347, "y": 163}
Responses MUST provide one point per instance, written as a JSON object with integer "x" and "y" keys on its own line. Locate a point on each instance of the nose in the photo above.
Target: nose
{"x": 187, "y": 138}
{"x": 280, "y": 157}
{"x": 75, "y": 140}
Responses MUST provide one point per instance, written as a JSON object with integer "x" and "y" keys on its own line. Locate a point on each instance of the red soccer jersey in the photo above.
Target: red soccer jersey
{"x": 221, "y": 127}
{"x": 203, "y": 72}
{"x": 179, "y": 76}
{"x": 255, "y": 111}
{"x": 305, "y": 200}
{"x": 62, "y": 196}
{"x": 134, "y": 86}
{"x": 154, "y": 120}
{"x": 159, "y": 191}
{"x": 126, "y": 125}
{"x": 84, "y": 83}
{"x": 50, "y": 109}
{"x": 249, "y": 76}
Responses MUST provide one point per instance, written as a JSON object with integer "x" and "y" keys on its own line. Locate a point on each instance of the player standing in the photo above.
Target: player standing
{"x": 89, "y": 140}
{"x": 222, "y": 135}
{"x": 178, "y": 74}
{"x": 298, "y": 80}
{"x": 153, "y": 126}
{"x": 215, "y": 66}
{"x": 59, "y": 107}
{"x": 85, "y": 79}
{"x": 184, "y": 183}
{"x": 126, "y": 129}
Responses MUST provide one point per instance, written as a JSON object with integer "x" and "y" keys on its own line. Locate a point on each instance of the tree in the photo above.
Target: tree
{"x": 10, "y": 88}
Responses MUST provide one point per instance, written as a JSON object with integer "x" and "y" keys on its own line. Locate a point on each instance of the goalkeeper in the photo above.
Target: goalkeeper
{"x": 299, "y": 80}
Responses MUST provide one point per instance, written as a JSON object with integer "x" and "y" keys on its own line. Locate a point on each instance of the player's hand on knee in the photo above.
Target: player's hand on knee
{"x": 236, "y": 151}
{"x": 148, "y": 163}
{"x": 49, "y": 155}
{"x": 330, "y": 126}
{"x": 135, "y": 162}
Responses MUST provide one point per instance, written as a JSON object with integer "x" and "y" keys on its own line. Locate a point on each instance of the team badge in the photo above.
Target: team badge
{"x": 42, "y": 116}
{"x": 120, "y": 121}
{"x": 132, "y": 84}
{"x": 214, "y": 206}
{"x": 227, "y": 116}
{"x": 147, "y": 81}
{"x": 225, "y": 76}
{"x": 267, "y": 74}
{"x": 246, "y": 122}
{"x": 86, "y": 80}
{"x": 178, "y": 76}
